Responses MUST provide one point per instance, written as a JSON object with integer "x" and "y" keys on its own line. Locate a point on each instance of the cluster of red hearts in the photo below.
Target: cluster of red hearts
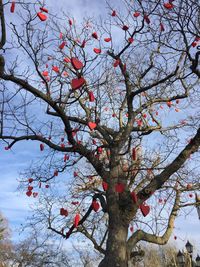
{"x": 30, "y": 188}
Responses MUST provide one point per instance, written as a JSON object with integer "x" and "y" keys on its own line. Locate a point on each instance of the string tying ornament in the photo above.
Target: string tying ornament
{"x": 12, "y": 7}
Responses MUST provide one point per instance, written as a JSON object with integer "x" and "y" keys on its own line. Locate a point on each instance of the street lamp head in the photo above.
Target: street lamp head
{"x": 180, "y": 258}
{"x": 198, "y": 261}
{"x": 189, "y": 247}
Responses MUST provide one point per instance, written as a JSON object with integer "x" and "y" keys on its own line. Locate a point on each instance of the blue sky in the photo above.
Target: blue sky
{"x": 14, "y": 204}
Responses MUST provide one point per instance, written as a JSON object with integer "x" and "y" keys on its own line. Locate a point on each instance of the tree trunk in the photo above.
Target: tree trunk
{"x": 116, "y": 248}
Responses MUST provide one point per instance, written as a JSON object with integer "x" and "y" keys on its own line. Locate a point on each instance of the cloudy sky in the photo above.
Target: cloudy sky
{"x": 15, "y": 205}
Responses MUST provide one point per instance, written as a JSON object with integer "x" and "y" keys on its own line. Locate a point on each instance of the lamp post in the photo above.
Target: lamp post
{"x": 198, "y": 261}
{"x": 180, "y": 259}
{"x": 189, "y": 248}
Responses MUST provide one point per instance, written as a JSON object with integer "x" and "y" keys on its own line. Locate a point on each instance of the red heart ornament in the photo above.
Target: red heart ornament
{"x": 70, "y": 22}
{"x": 66, "y": 157}
{"x": 145, "y": 209}
{"x": 94, "y": 35}
{"x": 95, "y": 205}
{"x": 83, "y": 44}
{"x": 67, "y": 60}
{"x": 35, "y": 194}
{"x": 30, "y": 188}
{"x": 168, "y": 5}
{"x": 77, "y": 64}
{"x": 28, "y": 193}
{"x": 56, "y": 173}
{"x": 130, "y": 40}
{"x": 134, "y": 154}
{"x": 119, "y": 188}
{"x": 105, "y": 186}
{"x": 41, "y": 147}
{"x": 97, "y": 50}
{"x": 113, "y": 13}
{"x": 136, "y": 14}
{"x": 75, "y": 174}
{"x": 146, "y": 19}
{"x": 30, "y": 180}
{"x": 125, "y": 28}
{"x": 92, "y": 125}
{"x": 131, "y": 229}
{"x": 162, "y": 29}
{"x": 44, "y": 9}
{"x": 41, "y": 16}
{"x": 56, "y": 69}
{"x": 107, "y": 40}
{"x": 12, "y": 7}
{"x": 116, "y": 63}
{"x": 62, "y": 45}
{"x": 77, "y": 83}
{"x": 45, "y": 73}
{"x": 91, "y": 96}
{"x": 134, "y": 197}
{"x": 76, "y": 220}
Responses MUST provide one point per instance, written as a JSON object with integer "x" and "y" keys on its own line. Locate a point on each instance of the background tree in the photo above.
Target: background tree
{"x": 103, "y": 100}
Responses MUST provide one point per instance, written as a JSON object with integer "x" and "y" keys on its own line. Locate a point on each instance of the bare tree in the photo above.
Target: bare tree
{"x": 115, "y": 105}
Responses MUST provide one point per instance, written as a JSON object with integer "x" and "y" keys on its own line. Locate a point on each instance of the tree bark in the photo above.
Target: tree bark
{"x": 116, "y": 247}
